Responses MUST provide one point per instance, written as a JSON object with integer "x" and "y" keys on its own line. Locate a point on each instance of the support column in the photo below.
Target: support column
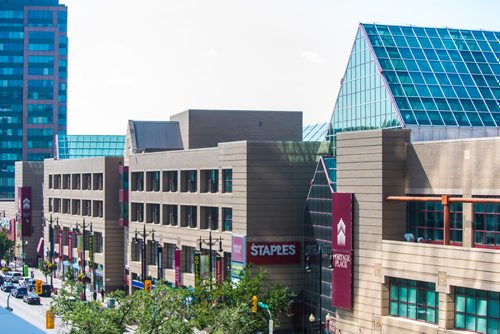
{"x": 446, "y": 311}
{"x": 467, "y": 228}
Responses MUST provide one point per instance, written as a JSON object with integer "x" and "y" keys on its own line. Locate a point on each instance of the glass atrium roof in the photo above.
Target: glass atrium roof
{"x": 314, "y": 132}
{"x": 401, "y": 76}
{"x": 87, "y": 146}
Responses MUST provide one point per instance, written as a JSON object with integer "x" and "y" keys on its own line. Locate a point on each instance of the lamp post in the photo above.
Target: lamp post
{"x": 210, "y": 242}
{"x": 308, "y": 269}
{"x": 144, "y": 235}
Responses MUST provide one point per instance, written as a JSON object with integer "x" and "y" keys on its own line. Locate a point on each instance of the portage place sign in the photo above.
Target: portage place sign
{"x": 273, "y": 253}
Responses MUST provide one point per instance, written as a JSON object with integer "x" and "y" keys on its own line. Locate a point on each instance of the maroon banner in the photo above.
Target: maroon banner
{"x": 342, "y": 250}
{"x": 177, "y": 266}
{"x": 24, "y": 209}
{"x": 70, "y": 245}
{"x": 269, "y": 253}
{"x": 60, "y": 244}
{"x": 218, "y": 270}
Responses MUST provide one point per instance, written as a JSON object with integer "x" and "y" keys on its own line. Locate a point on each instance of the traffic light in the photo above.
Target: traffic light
{"x": 38, "y": 287}
{"x": 254, "y": 304}
{"x": 49, "y": 320}
{"x": 147, "y": 285}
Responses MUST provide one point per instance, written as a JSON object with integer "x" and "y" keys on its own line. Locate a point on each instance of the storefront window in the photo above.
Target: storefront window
{"x": 413, "y": 300}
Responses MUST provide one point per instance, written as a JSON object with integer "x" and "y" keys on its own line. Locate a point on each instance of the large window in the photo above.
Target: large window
{"x": 170, "y": 215}
{"x": 210, "y": 181}
{"x": 98, "y": 242}
{"x": 188, "y": 259}
{"x": 227, "y": 175}
{"x": 153, "y": 213}
{"x": 425, "y": 220}
{"x": 136, "y": 250}
{"x": 210, "y": 218}
{"x": 189, "y": 217}
{"x": 170, "y": 181}
{"x": 413, "y": 300}
{"x": 189, "y": 181}
{"x": 137, "y": 181}
{"x": 486, "y": 225}
{"x": 153, "y": 181}
{"x": 227, "y": 219}
{"x": 477, "y": 310}
{"x": 171, "y": 256}
{"x": 137, "y": 212}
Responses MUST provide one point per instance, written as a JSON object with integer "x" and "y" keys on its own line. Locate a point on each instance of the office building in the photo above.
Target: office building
{"x": 33, "y": 83}
{"x": 434, "y": 95}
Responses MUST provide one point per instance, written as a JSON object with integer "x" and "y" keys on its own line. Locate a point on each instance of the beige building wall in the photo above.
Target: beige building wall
{"x": 375, "y": 164}
{"x": 112, "y": 256}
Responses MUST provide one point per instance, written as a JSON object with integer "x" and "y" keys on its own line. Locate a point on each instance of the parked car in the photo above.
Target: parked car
{"x": 2, "y": 279}
{"x": 13, "y": 276}
{"x": 7, "y": 286}
{"x": 19, "y": 292}
{"x": 29, "y": 284}
{"x": 31, "y": 298}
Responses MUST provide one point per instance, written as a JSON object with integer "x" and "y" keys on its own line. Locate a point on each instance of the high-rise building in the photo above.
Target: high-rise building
{"x": 33, "y": 82}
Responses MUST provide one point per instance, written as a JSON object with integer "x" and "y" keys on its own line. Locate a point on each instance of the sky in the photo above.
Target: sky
{"x": 148, "y": 60}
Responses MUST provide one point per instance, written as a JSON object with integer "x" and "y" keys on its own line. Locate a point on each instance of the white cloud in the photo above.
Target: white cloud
{"x": 212, "y": 53}
{"x": 312, "y": 57}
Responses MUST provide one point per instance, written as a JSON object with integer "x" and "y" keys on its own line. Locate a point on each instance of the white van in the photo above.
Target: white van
{"x": 13, "y": 276}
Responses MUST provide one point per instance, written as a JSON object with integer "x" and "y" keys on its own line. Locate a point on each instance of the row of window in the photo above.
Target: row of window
{"x": 475, "y": 310}
{"x": 168, "y": 214}
{"x": 91, "y": 208}
{"x": 85, "y": 181}
{"x": 425, "y": 220}
{"x": 169, "y": 181}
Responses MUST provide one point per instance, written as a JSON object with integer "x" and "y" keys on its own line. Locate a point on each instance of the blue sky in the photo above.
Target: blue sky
{"x": 147, "y": 60}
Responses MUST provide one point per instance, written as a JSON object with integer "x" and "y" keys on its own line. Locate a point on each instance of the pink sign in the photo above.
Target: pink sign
{"x": 177, "y": 266}
{"x": 60, "y": 244}
{"x": 238, "y": 249}
{"x": 70, "y": 245}
{"x": 269, "y": 253}
{"x": 218, "y": 270}
{"x": 342, "y": 250}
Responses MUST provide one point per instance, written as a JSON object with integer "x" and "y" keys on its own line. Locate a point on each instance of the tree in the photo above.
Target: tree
{"x": 47, "y": 268}
{"x": 6, "y": 246}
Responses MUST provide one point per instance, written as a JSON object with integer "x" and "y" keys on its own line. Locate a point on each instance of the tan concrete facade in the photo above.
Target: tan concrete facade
{"x": 86, "y": 189}
{"x": 269, "y": 183}
{"x": 376, "y": 164}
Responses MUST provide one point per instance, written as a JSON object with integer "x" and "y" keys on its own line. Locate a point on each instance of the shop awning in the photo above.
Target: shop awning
{"x": 39, "y": 248}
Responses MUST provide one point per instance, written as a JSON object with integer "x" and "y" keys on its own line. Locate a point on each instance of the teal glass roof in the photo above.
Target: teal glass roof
{"x": 440, "y": 76}
{"x": 87, "y": 146}
{"x": 315, "y": 132}
{"x": 400, "y": 76}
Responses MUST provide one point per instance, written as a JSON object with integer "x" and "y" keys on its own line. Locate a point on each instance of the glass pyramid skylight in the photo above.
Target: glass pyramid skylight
{"x": 421, "y": 77}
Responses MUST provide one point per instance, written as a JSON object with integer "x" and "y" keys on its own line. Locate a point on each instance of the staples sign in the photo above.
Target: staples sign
{"x": 269, "y": 253}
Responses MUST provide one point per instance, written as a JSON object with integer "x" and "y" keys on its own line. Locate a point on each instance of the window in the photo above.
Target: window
{"x": 98, "y": 209}
{"x": 210, "y": 181}
{"x": 170, "y": 181}
{"x": 188, "y": 218}
{"x": 66, "y": 181}
{"x": 137, "y": 212}
{"x": 136, "y": 249}
{"x": 486, "y": 224}
{"x": 137, "y": 181}
{"x": 86, "y": 208}
{"x": 188, "y": 259}
{"x": 153, "y": 213}
{"x": 153, "y": 181}
{"x": 51, "y": 206}
{"x": 425, "y": 220}
{"x": 189, "y": 181}
{"x": 75, "y": 183}
{"x": 65, "y": 205}
{"x": 413, "y": 300}
{"x": 477, "y": 310}
{"x": 75, "y": 207}
{"x": 170, "y": 215}
{"x": 210, "y": 218}
{"x": 98, "y": 242}
{"x": 227, "y": 219}
{"x": 153, "y": 253}
{"x": 57, "y": 205}
{"x": 227, "y": 175}
{"x": 51, "y": 178}
{"x": 57, "y": 181}
{"x": 171, "y": 256}
{"x": 87, "y": 181}
{"x": 98, "y": 181}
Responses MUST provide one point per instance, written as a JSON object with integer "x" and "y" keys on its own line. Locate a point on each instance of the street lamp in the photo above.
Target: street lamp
{"x": 308, "y": 269}
{"x": 83, "y": 233}
{"x": 144, "y": 235}
{"x": 51, "y": 235}
{"x": 210, "y": 242}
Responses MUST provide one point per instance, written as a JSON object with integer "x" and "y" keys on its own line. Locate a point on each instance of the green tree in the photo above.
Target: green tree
{"x": 47, "y": 268}
{"x": 6, "y": 246}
